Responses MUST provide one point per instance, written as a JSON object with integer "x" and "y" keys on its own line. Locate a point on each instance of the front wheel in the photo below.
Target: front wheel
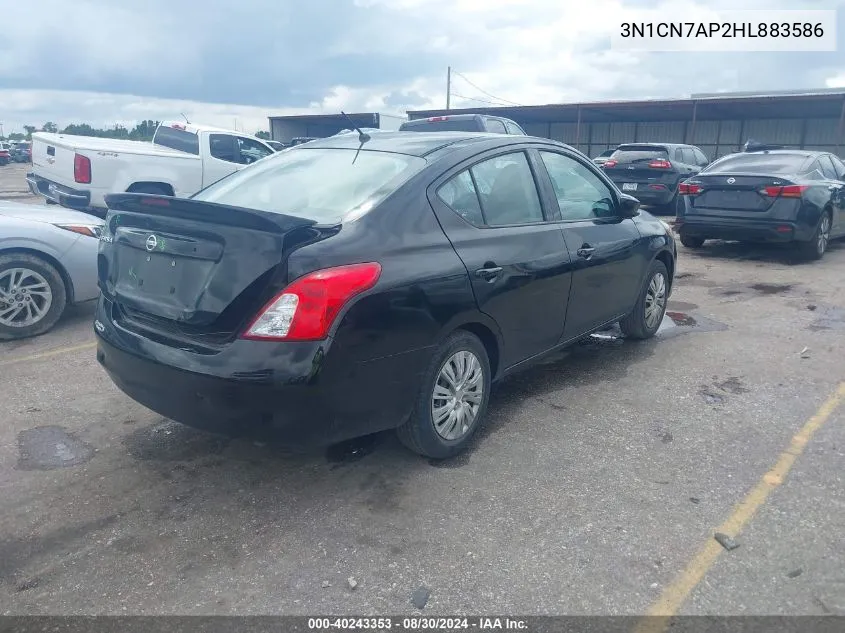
{"x": 647, "y": 315}
{"x": 452, "y": 401}
{"x": 816, "y": 247}
{"x": 32, "y": 296}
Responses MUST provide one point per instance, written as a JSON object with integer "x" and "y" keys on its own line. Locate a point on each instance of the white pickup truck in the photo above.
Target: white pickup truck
{"x": 78, "y": 171}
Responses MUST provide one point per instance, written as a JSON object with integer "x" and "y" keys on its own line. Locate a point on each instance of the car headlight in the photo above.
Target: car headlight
{"x": 91, "y": 230}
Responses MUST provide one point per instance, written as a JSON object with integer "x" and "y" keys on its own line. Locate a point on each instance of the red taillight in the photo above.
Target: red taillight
{"x": 787, "y": 191}
{"x": 156, "y": 202}
{"x": 610, "y": 163}
{"x": 660, "y": 164}
{"x": 435, "y": 119}
{"x": 81, "y": 169}
{"x": 686, "y": 189}
{"x": 306, "y": 309}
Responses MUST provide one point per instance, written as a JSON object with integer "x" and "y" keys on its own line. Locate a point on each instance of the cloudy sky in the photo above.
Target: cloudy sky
{"x": 236, "y": 62}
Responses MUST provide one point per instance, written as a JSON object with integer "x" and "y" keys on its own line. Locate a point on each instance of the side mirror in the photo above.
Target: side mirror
{"x": 629, "y": 206}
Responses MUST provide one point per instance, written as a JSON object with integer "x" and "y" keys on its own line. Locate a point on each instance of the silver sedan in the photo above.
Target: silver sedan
{"x": 48, "y": 260}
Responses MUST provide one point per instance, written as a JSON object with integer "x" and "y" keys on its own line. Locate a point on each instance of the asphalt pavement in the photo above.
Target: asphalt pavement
{"x": 598, "y": 481}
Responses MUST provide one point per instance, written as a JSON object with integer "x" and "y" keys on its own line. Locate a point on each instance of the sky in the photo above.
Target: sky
{"x": 233, "y": 64}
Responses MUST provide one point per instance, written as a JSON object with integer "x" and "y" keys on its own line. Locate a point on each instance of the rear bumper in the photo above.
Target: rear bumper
{"x": 301, "y": 394}
{"x": 649, "y": 196}
{"x": 78, "y": 199}
{"x": 741, "y": 229}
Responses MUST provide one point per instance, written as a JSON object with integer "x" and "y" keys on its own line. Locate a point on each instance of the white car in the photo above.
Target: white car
{"x": 79, "y": 171}
{"x": 48, "y": 260}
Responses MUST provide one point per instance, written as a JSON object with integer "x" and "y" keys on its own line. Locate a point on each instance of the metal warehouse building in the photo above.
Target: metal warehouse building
{"x": 718, "y": 123}
{"x": 286, "y": 128}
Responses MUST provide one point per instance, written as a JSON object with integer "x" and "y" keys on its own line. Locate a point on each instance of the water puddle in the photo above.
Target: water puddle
{"x": 173, "y": 442}
{"x": 831, "y": 318}
{"x": 51, "y": 447}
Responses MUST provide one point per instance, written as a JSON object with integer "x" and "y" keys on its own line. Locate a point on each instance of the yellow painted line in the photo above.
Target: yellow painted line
{"x": 670, "y": 601}
{"x": 49, "y": 354}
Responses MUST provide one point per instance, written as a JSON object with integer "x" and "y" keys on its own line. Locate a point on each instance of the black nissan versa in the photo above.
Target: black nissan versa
{"x": 358, "y": 283}
{"x": 795, "y": 196}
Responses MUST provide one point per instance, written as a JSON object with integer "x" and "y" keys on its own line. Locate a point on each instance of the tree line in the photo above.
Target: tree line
{"x": 143, "y": 131}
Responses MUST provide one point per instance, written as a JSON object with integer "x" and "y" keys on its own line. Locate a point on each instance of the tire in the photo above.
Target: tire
{"x": 692, "y": 242}
{"x": 641, "y": 323}
{"x": 50, "y": 298}
{"x": 419, "y": 433}
{"x": 816, "y": 247}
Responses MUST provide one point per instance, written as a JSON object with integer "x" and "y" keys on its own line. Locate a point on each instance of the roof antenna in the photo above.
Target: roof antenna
{"x": 186, "y": 118}
{"x": 363, "y": 137}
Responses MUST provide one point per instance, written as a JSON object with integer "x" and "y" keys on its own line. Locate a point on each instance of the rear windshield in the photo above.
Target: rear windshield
{"x": 319, "y": 184}
{"x": 639, "y": 154}
{"x": 449, "y": 125}
{"x": 758, "y": 164}
{"x": 177, "y": 139}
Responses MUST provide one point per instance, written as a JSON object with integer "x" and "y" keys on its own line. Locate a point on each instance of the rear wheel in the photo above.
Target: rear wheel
{"x": 452, "y": 401}
{"x": 32, "y": 296}
{"x": 816, "y": 247}
{"x": 647, "y": 315}
{"x": 692, "y": 242}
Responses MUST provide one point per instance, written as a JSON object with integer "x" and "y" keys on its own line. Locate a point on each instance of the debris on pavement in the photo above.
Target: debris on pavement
{"x": 420, "y": 597}
{"x": 695, "y": 500}
{"x": 352, "y": 582}
{"x": 805, "y": 353}
{"x": 812, "y": 307}
{"x": 725, "y": 541}
{"x": 795, "y": 573}
{"x": 326, "y": 584}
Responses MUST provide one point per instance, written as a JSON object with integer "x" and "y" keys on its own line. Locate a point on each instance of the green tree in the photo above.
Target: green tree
{"x": 29, "y": 129}
{"x": 49, "y": 126}
{"x": 263, "y": 134}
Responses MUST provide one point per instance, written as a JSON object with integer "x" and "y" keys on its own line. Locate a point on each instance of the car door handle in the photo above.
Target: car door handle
{"x": 489, "y": 274}
{"x": 586, "y": 251}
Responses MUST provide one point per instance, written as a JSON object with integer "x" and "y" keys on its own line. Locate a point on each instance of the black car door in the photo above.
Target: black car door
{"x": 514, "y": 252}
{"x": 608, "y": 253}
{"x": 834, "y": 172}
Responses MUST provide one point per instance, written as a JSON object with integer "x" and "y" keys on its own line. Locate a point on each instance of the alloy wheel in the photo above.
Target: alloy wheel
{"x": 25, "y": 297}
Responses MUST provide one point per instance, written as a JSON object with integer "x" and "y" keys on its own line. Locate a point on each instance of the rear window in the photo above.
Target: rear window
{"x": 758, "y": 164}
{"x": 447, "y": 125}
{"x": 180, "y": 140}
{"x": 323, "y": 185}
{"x": 633, "y": 154}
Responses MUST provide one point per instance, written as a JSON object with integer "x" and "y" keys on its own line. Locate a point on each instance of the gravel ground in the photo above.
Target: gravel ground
{"x": 599, "y": 476}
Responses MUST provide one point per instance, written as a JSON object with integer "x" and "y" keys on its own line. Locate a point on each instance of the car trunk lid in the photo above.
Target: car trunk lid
{"x": 634, "y": 165}
{"x": 201, "y": 266}
{"x": 736, "y": 194}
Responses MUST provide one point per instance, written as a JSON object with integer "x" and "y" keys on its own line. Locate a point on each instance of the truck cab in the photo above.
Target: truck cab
{"x": 463, "y": 123}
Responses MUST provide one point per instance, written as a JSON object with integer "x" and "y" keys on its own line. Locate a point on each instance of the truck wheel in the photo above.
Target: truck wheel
{"x": 153, "y": 190}
{"x": 32, "y": 296}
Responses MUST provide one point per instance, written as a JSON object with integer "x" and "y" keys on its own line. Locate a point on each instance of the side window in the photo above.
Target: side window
{"x": 224, "y": 147}
{"x": 679, "y": 155}
{"x": 701, "y": 159}
{"x": 580, "y": 194}
{"x": 828, "y": 170}
{"x": 250, "y": 150}
{"x": 459, "y": 194}
{"x": 839, "y": 166}
{"x": 689, "y": 156}
{"x": 507, "y": 190}
{"x": 512, "y": 128}
{"x": 814, "y": 171}
{"x": 494, "y": 125}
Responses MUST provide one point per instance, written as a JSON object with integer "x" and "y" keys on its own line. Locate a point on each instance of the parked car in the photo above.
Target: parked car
{"x": 463, "y": 123}
{"x": 22, "y": 153}
{"x": 78, "y": 171}
{"x": 795, "y": 196}
{"x": 653, "y": 171}
{"x": 48, "y": 261}
{"x": 5, "y": 154}
{"x": 602, "y": 158}
{"x": 277, "y": 146}
{"x": 327, "y": 292}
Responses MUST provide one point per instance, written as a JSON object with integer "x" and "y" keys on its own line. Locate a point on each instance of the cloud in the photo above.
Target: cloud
{"x": 104, "y": 62}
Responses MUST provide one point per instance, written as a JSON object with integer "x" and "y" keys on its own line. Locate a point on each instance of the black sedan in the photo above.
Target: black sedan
{"x": 343, "y": 288}
{"x": 792, "y": 196}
